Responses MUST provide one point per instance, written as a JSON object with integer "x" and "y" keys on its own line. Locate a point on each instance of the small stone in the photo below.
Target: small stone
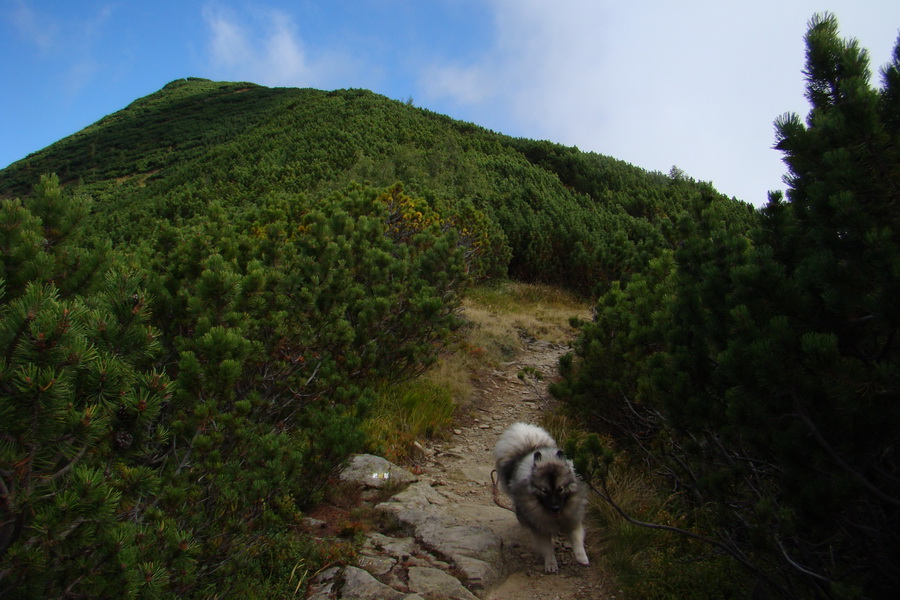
{"x": 376, "y": 565}
{"x": 311, "y": 523}
{"x": 327, "y": 575}
{"x": 374, "y": 471}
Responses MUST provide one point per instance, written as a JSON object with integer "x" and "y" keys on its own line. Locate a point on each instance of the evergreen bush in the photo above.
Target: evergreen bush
{"x": 158, "y": 454}
{"x": 759, "y": 371}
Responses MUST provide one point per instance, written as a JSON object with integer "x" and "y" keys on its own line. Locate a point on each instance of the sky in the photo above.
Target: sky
{"x": 656, "y": 83}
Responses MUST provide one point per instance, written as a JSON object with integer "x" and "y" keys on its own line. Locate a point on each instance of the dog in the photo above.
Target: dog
{"x": 548, "y": 495}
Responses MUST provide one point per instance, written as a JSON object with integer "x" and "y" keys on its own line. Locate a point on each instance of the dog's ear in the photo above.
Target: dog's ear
{"x": 537, "y": 457}
{"x": 560, "y": 455}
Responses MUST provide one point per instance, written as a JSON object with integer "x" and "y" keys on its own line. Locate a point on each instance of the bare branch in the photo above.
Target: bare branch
{"x": 842, "y": 464}
{"x": 727, "y": 549}
{"x": 794, "y": 564}
{"x": 69, "y": 466}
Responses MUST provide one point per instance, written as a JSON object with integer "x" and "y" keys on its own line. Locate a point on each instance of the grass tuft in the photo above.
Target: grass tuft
{"x": 404, "y": 413}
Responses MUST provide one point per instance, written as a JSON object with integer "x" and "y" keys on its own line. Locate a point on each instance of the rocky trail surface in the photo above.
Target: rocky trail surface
{"x": 444, "y": 535}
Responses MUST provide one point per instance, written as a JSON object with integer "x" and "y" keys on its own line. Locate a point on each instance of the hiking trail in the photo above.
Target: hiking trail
{"x": 446, "y": 537}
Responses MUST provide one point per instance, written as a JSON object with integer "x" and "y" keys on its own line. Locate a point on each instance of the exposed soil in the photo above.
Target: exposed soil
{"x": 463, "y": 464}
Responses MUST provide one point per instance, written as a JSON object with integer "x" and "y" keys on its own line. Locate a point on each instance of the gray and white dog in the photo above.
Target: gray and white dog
{"x": 548, "y": 495}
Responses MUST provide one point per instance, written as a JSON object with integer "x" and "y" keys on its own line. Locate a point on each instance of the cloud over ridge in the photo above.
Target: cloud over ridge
{"x": 263, "y": 46}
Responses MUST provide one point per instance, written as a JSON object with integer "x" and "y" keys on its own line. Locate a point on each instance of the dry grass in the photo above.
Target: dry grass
{"x": 499, "y": 315}
{"x": 452, "y": 373}
{"x": 560, "y": 426}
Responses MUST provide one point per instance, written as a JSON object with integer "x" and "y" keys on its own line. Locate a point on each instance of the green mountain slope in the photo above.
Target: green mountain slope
{"x": 199, "y": 309}
{"x": 569, "y": 217}
{"x": 196, "y": 323}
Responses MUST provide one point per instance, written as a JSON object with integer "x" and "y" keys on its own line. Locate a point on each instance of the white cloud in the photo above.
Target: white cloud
{"x": 265, "y": 46}
{"x": 265, "y": 49}
{"x": 284, "y": 52}
{"x": 667, "y": 84}
{"x": 229, "y": 47}
{"x": 79, "y": 75}
{"x": 468, "y": 85}
{"x": 42, "y": 35}
{"x": 539, "y": 66}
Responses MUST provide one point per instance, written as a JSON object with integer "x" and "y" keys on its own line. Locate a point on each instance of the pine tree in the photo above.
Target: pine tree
{"x": 78, "y": 405}
{"x": 782, "y": 377}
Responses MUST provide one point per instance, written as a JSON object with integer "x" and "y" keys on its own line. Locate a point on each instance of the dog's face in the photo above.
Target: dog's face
{"x": 552, "y": 481}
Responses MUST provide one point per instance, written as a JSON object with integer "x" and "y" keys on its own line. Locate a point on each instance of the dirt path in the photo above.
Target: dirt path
{"x": 442, "y": 535}
{"x": 463, "y": 464}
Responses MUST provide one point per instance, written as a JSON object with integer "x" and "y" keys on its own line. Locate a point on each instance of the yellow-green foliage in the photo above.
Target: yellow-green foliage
{"x": 282, "y": 565}
{"x": 452, "y": 373}
{"x": 404, "y": 413}
{"x": 502, "y": 313}
{"x": 521, "y": 297}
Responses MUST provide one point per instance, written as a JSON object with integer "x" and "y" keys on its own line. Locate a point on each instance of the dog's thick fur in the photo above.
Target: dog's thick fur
{"x": 548, "y": 496}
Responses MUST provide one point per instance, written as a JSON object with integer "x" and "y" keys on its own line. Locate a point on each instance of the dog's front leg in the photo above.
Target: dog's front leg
{"x": 544, "y": 545}
{"x": 576, "y": 538}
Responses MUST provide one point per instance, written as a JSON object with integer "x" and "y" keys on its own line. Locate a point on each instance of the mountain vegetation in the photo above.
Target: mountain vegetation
{"x": 204, "y": 295}
{"x": 758, "y": 368}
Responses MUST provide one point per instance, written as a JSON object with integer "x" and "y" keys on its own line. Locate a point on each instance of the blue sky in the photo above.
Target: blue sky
{"x": 656, "y": 83}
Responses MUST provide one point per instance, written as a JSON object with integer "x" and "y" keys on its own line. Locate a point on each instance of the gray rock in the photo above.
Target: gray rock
{"x": 434, "y": 583}
{"x": 360, "y": 585}
{"x": 311, "y": 523}
{"x": 467, "y": 540}
{"x": 323, "y": 584}
{"x": 399, "y": 548}
{"x": 478, "y": 573}
{"x": 375, "y": 564}
{"x": 329, "y": 574}
{"x": 463, "y": 534}
{"x": 418, "y": 495}
{"x": 369, "y": 470}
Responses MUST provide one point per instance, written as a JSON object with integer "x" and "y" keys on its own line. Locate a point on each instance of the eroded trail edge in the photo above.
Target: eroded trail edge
{"x": 445, "y": 537}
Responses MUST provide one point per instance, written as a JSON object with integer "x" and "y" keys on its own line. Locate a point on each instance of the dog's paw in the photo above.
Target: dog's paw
{"x": 550, "y": 566}
{"x": 582, "y": 558}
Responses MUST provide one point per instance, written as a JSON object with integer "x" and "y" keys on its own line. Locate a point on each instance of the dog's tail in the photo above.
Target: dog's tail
{"x": 517, "y": 442}
{"x": 520, "y": 439}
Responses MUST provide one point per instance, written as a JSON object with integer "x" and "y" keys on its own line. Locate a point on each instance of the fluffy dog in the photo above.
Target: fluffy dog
{"x": 548, "y": 495}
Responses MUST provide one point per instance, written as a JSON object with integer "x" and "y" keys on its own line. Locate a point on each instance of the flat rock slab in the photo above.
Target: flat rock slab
{"x": 373, "y": 471}
{"x": 435, "y": 583}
